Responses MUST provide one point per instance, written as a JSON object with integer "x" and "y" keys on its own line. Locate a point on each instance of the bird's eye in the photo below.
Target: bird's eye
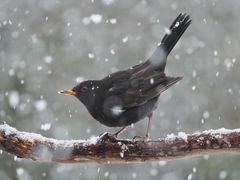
{"x": 84, "y": 88}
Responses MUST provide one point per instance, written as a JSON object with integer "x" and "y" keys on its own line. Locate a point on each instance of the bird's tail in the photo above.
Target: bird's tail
{"x": 178, "y": 27}
{"x": 175, "y": 31}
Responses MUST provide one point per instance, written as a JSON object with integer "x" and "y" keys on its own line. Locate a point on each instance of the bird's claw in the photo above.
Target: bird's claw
{"x": 140, "y": 138}
{"x": 107, "y": 136}
{"x": 115, "y": 135}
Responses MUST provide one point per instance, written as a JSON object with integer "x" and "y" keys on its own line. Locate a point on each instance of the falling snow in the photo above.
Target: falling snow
{"x": 45, "y": 126}
{"x": 20, "y": 171}
{"x": 117, "y": 110}
{"x": 106, "y": 174}
{"x": 193, "y": 88}
{"x": 91, "y": 55}
{"x": 13, "y": 99}
{"x": 96, "y": 18}
{"x": 40, "y": 105}
{"x": 113, "y": 21}
{"x": 108, "y": 2}
{"x": 79, "y": 79}
{"x": 112, "y": 51}
{"x": 48, "y": 59}
{"x": 190, "y": 176}
{"x": 153, "y": 172}
{"x": 222, "y": 174}
{"x": 162, "y": 163}
{"x": 177, "y": 24}
{"x": 206, "y": 114}
{"x": 134, "y": 175}
{"x": 125, "y": 39}
{"x": 152, "y": 81}
{"x": 39, "y": 68}
{"x": 167, "y": 30}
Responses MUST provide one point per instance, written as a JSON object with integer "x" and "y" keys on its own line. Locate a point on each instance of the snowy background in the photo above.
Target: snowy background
{"x": 49, "y": 45}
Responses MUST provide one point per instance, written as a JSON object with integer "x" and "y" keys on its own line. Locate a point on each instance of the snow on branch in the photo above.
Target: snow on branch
{"x": 107, "y": 149}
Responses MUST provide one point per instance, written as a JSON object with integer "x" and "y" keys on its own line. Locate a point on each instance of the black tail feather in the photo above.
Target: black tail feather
{"x": 178, "y": 27}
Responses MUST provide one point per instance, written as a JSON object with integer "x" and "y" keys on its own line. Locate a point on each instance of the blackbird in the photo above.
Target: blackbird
{"x": 125, "y": 97}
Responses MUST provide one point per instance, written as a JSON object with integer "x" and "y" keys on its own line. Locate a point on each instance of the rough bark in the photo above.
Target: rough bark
{"x": 107, "y": 149}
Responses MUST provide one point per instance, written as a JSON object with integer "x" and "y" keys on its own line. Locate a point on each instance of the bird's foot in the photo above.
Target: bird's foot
{"x": 103, "y": 134}
{"x": 140, "y": 138}
{"x": 107, "y": 136}
{"x": 115, "y": 135}
{"x": 120, "y": 131}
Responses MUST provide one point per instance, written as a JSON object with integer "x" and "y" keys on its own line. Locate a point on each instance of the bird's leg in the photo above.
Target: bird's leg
{"x": 148, "y": 126}
{"x": 147, "y": 133}
{"x": 120, "y": 131}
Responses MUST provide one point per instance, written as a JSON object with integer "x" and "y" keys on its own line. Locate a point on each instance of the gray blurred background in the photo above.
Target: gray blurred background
{"x": 49, "y": 45}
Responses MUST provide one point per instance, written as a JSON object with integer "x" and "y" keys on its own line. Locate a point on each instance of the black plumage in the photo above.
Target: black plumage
{"x": 127, "y": 96}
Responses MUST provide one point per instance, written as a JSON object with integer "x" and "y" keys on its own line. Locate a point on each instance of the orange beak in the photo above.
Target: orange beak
{"x": 68, "y": 92}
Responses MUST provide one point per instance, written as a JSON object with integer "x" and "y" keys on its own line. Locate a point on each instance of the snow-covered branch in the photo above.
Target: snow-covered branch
{"x": 106, "y": 149}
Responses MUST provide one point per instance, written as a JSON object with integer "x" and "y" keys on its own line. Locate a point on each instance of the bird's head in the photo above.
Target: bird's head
{"x": 85, "y": 91}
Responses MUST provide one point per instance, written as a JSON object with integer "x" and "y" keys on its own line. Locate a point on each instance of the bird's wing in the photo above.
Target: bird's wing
{"x": 134, "y": 89}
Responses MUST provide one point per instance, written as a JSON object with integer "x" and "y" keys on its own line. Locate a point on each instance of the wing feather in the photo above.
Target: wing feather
{"x": 137, "y": 87}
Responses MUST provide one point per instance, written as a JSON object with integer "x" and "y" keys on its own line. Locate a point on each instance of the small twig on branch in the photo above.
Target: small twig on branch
{"x": 107, "y": 149}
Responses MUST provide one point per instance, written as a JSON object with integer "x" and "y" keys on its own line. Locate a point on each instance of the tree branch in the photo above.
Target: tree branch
{"x": 107, "y": 149}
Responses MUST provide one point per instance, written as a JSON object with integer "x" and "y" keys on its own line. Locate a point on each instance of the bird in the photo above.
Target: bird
{"x": 125, "y": 97}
